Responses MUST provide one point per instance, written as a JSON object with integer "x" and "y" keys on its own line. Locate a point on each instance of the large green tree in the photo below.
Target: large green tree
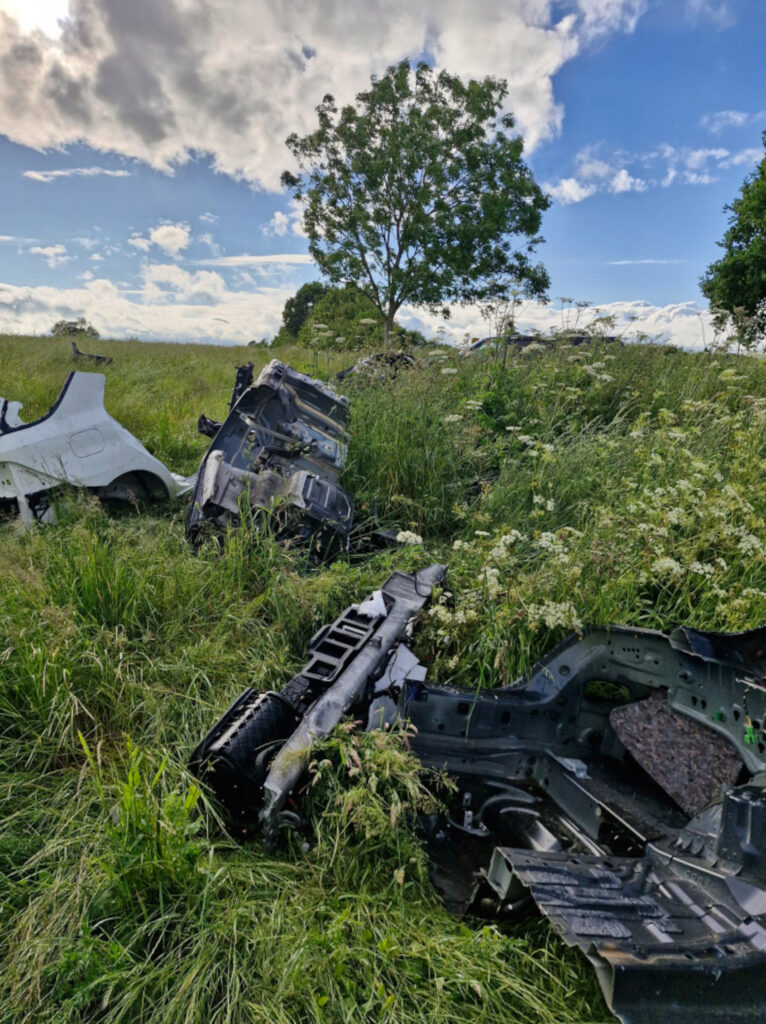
{"x": 417, "y": 194}
{"x": 735, "y": 285}
{"x": 300, "y": 305}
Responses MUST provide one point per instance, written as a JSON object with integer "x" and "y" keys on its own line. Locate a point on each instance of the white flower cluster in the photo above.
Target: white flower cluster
{"x": 454, "y": 417}
{"x": 408, "y": 537}
{"x": 501, "y": 551}
{"x": 554, "y": 614}
{"x": 667, "y": 567}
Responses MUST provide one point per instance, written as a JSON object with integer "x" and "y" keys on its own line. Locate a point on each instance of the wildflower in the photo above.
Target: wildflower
{"x": 605, "y": 378}
{"x": 408, "y": 537}
{"x": 490, "y": 577}
{"x": 449, "y": 371}
{"x": 461, "y": 545}
{"x": 553, "y": 614}
{"x": 667, "y": 567}
{"x": 367, "y": 320}
{"x": 473, "y": 404}
{"x": 702, "y": 568}
{"x": 750, "y": 545}
{"x": 481, "y": 533}
{"x": 454, "y": 417}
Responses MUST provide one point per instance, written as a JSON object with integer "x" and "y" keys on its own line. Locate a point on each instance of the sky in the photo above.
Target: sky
{"x": 142, "y": 141}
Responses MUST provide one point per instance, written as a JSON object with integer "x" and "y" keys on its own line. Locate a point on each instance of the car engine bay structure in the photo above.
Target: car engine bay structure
{"x": 619, "y": 788}
{"x": 281, "y": 447}
{"x": 78, "y": 443}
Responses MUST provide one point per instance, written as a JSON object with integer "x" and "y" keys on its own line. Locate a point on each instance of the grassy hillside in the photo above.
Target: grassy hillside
{"x": 589, "y": 485}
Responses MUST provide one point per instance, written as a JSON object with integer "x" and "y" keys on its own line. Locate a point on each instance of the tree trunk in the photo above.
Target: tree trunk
{"x": 388, "y": 330}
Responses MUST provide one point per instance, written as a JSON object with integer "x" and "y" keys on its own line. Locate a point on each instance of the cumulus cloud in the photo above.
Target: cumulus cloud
{"x": 625, "y": 182}
{"x": 208, "y": 218}
{"x": 685, "y": 323}
{"x": 160, "y": 82}
{"x": 74, "y": 172}
{"x": 570, "y": 190}
{"x": 54, "y": 255}
{"x": 171, "y": 238}
{"x": 169, "y": 307}
{"x": 286, "y": 223}
{"x": 175, "y": 305}
{"x": 596, "y": 171}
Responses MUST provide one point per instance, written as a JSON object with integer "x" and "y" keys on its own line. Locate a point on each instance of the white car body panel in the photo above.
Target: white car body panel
{"x": 78, "y": 443}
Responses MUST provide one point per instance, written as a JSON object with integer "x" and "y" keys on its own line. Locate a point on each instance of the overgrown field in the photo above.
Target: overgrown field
{"x": 591, "y": 485}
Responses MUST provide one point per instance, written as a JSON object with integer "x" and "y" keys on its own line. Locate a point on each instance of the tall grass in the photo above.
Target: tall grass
{"x": 592, "y": 485}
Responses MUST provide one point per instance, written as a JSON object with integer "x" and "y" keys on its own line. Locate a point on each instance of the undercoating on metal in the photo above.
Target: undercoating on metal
{"x": 281, "y": 447}
{"x": 552, "y": 810}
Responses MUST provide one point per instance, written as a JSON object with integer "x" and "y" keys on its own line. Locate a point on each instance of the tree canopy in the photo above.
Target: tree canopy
{"x": 300, "y": 305}
{"x": 417, "y": 194}
{"x": 735, "y": 285}
{"x": 79, "y": 326}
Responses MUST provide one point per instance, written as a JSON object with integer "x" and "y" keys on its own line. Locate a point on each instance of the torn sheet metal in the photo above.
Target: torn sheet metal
{"x": 77, "y": 443}
{"x": 282, "y": 446}
{"x": 552, "y": 810}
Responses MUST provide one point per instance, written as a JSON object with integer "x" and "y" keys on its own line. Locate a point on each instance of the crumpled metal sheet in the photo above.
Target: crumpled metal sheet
{"x": 689, "y": 761}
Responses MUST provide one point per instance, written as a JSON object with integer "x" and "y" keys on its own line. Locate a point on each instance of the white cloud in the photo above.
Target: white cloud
{"x": 601, "y": 17}
{"x": 54, "y": 255}
{"x": 139, "y": 242}
{"x": 85, "y": 242}
{"x": 245, "y": 260}
{"x": 722, "y": 119}
{"x": 74, "y": 172}
{"x": 96, "y": 257}
{"x": 570, "y": 190}
{"x": 213, "y": 246}
{"x": 208, "y": 218}
{"x": 290, "y": 223}
{"x": 684, "y": 323}
{"x": 170, "y": 307}
{"x": 86, "y": 275}
{"x": 180, "y": 284}
{"x": 716, "y": 11}
{"x": 163, "y": 82}
{"x": 693, "y": 178}
{"x": 633, "y": 263}
{"x": 625, "y": 182}
{"x": 698, "y": 158}
{"x": 745, "y": 156}
{"x": 171, "y": 238}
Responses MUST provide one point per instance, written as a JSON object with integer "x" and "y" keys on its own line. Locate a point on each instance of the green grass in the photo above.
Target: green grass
{"x": 593, "y": 485}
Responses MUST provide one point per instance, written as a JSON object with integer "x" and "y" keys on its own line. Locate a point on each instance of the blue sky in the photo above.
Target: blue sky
{"x": 141, "y": 146}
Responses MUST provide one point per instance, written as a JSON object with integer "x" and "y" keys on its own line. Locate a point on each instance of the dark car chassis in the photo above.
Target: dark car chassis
{"x": 280, "y": 450}
{"x": 619, "y": 788}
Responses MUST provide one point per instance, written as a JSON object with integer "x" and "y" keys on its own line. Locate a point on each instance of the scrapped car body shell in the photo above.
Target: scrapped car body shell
{"x": 283, "y": 444}
{"x": 551, "y": 809}
{"x": 77, "y": 443}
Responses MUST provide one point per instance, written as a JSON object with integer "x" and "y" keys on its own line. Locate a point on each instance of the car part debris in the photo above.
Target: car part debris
{"x": 381, "y": 364}
{"x": 620, "y": 788}
{"x": 256, "y": 754}
{"x": 78, "y": 443}
{"x": 98, "y": 360}
{"x": 282, "y": 446}
{"x": 242, "y": 382}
